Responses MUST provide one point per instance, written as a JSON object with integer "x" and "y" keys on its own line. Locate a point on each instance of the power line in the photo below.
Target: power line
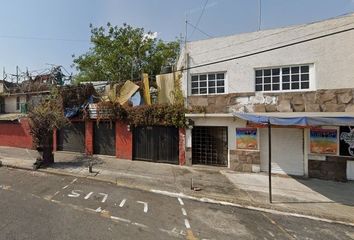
{"x": 200, "y": 17}
{"x": 42, "y": 38}
{"x": 201, "y": 31}
{"x": 266, "y": 50}
{"x": 277, "y": 33}
{"x": 287, "y": 30}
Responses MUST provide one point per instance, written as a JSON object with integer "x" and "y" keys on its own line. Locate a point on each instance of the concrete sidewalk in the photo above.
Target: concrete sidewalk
{"x": 324, "y": 199}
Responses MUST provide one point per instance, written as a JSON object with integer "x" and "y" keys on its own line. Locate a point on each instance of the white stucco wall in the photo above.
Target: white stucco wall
{"x": 332, "y": 57}
{"x": 10, "y": 103}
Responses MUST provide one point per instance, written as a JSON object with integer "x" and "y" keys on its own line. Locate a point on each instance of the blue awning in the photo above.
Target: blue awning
{"x": 299, "y": 118}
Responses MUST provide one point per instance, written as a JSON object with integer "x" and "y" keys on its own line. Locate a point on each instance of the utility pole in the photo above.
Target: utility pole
{"x": 17, "y": 74}
{"x": 186, "y": 31}
{"x": 259, "y": 14}
{"x": 186, "y": 57}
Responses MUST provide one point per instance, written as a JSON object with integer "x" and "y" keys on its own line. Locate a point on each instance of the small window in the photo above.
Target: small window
{"x": 211, "y": 83}
{"x": 18, "y": 103}
{"x": 283, "y": 78}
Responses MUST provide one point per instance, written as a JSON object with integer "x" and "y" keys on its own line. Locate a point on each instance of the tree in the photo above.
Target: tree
{"x": 122, "y": 53}
{"x": 43, "y": 119}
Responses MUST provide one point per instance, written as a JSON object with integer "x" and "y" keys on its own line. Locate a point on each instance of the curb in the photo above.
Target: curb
{"x": 253, "y": 207}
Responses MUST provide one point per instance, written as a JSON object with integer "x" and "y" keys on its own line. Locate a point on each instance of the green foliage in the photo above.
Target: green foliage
{"x": 45, "y": 117}
{"x": 164, "y": 115}
{"x": 111, "y": 111}
{"x": 119, "y": 51}
{"x": 76, "y": 95}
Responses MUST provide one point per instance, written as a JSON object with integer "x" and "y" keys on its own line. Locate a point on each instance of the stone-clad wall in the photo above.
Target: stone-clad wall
{"x": 337, "y": 100}
{"x": 244, "y": 161}
{"x": 334, "y": 168}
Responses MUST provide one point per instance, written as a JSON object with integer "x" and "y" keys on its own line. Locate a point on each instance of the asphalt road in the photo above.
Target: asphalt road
{"x": 40, "y": 206}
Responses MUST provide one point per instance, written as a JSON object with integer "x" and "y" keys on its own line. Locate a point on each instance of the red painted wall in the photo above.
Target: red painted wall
{"x": 124, "y": 141}
{"x": 89, "y": 137}
{"x": 55, "y": 143}
{"x": 182, "y": 145}
{"x": 15, "y": 134}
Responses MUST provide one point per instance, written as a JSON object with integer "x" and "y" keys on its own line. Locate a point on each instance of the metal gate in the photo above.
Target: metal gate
{"x": 72, "y": 137}
{"x": 156, "y": 144}
{"x": 104, "y": 138}
{"x": 209, "y": 146}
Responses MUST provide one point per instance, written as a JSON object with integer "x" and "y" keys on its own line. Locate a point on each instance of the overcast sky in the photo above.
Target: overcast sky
{"x": 35, "y": 33}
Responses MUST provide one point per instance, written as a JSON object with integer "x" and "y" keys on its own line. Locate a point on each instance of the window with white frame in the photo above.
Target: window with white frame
{"x": 208, "y": 83}
{"x": 283, "y": 78}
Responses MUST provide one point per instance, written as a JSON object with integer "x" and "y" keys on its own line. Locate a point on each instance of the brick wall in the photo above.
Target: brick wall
{"x": 124, "y": 141}
{"x": 16, "y": 134}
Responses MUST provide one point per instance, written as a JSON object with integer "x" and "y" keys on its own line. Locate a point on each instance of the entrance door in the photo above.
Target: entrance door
{"x": 72, "y": 138}
{"x": 209, "y": 146}
{"x": 287, "y": 151}
{"x": 104, "y": 135}
{"x": 156, "y": 144}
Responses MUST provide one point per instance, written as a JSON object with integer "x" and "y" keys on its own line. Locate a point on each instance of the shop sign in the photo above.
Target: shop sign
{"x": 346, "y": 144}
{"x": 246, "y": 138}
{"x": 323, "y": 141}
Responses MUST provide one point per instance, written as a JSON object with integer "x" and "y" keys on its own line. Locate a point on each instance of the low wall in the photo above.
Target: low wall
{"x": 245, "y": 161}
{"x": 15, "y": 134}
{"x": 333, "y": 168}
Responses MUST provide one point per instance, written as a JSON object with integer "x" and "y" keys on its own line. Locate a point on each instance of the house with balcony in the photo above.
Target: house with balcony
{"x": 304, "y": 69}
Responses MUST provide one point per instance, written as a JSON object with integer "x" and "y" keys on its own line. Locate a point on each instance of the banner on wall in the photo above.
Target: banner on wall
{"x": 346, "y": 141}
{"x": 246, "y": 138}
{"x": 323, "y": 141}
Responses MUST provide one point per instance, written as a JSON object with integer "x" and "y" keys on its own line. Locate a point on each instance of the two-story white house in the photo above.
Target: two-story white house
{"x": 306, "y": 68}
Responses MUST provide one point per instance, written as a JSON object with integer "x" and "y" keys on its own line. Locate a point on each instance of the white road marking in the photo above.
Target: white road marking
{"x": 139, "y": 225}
{"x": 122, "y": 202}
{"x": 224, "y": 203}
{"x": 74, "y": 193}
{"x": 120, "y": 219}
{"x": 145, "y": 206}
{"x": 73, "y": 181}
{"x": 99, "y": 209}
{"x": 174, "y": 232}
{"x": 105, "y": 196}
{"x": 91, "y": 210}
{"x": 56, "y": 193}
{"x": 5, "y": 187}
{"x": 186, "y": 222}
{"x": 88, "y": 195}
{"x": 180, "y": 201}
{"x": 184, "y": 212}
{"x": 65, "y": 187}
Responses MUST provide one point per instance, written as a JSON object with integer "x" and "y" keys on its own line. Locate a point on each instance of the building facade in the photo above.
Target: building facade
{"x": 306, "y": 68}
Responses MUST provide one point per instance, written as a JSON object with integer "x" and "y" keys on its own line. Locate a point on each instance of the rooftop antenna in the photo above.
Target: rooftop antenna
{"x": 259, "y": 14}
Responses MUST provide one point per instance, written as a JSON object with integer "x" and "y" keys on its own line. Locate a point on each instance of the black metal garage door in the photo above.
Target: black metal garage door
{"x": 104, "y": 135}
{"x": 72, "y": 138}
{"x": 209, "y": 146}
{"x": 156, "y": 144}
